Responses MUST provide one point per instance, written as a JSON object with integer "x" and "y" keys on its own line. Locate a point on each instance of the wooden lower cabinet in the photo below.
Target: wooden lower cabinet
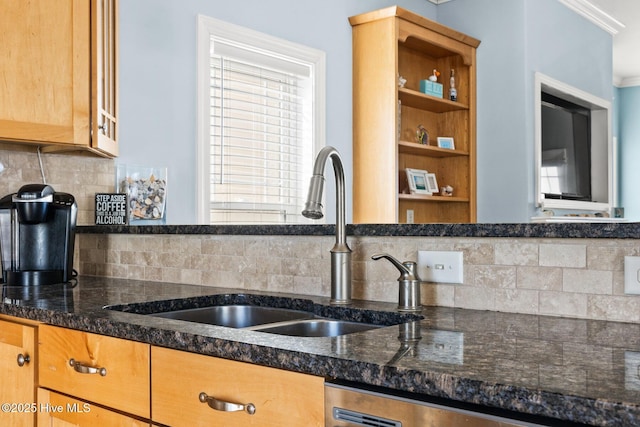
{"x": 280, "y": 398}
{"x": 17, "y": 373}
{"x": 108, "y": 371}
{"x": 58, "y": 410}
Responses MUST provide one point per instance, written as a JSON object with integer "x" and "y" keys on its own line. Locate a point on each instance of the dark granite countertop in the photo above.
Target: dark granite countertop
{"x": 629, "y": 230}
{"x": 568, "y": 369}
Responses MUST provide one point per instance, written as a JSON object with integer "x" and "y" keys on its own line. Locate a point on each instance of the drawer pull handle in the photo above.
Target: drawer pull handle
{"x": 22, "y": 359}
{"x": 85, "y": 369}
{"x": 221, "y": 405}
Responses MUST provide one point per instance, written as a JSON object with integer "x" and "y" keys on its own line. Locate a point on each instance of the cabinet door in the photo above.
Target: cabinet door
{"x": 279, "y": 398}
{"x": 104, "y": 81}
{"x": 109, "y": 371}
{"x": 56, "y": 410}
{"x": 17, "y": 386}
{"x": 44, "y": 70}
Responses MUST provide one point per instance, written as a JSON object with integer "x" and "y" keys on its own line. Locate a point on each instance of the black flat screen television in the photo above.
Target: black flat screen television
{"x": 566, "y": 149}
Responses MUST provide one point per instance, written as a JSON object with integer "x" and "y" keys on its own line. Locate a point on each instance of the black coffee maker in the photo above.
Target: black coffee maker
{"x": 37, "y": 234}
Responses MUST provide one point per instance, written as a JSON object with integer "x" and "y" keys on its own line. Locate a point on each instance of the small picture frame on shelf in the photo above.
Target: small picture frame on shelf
{"x": 418, "y": 183}
{"x": 432, "y": 183}
{"x": 446, "y": 142}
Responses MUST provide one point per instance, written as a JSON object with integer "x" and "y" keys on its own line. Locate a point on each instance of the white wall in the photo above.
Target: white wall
{"x": 518, "y": 37}
{"x": 629, "y": 140}
{"x": 158, "y": 77}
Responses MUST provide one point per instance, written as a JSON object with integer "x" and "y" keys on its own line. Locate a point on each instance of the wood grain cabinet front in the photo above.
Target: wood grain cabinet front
{"x": 57, "y": 410}
{"x": 104, "y": 370}
{"x": 196, "y": 390}
{"x": 59, "y": 75}
{"x": 17, "y": 373}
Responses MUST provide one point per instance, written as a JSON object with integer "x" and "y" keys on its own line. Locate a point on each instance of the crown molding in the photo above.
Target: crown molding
{"x": 595, "y": 15}
{"x": 439, "y": 1}
{"x": 628, "y": 82}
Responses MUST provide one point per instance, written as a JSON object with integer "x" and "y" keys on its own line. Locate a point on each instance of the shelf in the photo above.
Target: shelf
{"x": 407, "y": 147}
{"x": 413, "y": 98}
{"x": 427, "y": 198}
{"x": 392, "y": 42}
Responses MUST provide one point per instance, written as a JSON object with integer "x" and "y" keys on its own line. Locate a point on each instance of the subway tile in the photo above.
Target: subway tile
{"x": 517, "y": 300}
{"x": 494, "y": 276}
{"x": 475, "y": 298}
{"x": 587, "y": 281}
{"x": 563, "y": 304}
{"x": 516, "y": 253}
{"x": 500, "y": 274}
{"x": 617, "y": 308}
{"x": 541, "y": 278}
{"x": 563, "y": 255}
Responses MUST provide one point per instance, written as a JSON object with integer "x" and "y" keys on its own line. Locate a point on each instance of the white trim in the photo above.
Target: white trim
{"x": 598, "y": 105}
{"x": 207, "y": 27}
{"x": 595, "y": 15}
{"x": 628, "y": 82}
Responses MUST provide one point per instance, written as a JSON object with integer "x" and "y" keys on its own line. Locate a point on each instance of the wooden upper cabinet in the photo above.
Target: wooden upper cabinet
{"x": 392, "y": 43}
{"x": 58, "y": 74}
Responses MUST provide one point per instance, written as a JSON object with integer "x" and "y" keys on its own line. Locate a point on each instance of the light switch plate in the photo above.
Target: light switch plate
{"x": 632, "y": 275}
{"x": 440, "y": 266}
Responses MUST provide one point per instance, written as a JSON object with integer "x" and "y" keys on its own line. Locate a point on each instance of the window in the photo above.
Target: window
{"x": 261, "y": 121}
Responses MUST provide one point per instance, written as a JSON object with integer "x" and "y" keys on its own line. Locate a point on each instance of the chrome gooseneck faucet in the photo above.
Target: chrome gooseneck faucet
{"x": 340, "y": 253}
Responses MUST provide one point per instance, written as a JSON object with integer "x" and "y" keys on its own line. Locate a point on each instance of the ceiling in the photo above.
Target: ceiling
{"x": 621, "y": 18}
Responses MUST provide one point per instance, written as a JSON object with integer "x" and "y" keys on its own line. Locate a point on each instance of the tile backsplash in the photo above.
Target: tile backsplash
{"x": 581, "y": 278}
{"x": 82, "y": 175}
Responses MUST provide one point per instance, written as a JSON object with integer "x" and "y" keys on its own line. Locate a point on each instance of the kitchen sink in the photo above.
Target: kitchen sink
{"x": 272, "y": 320}
{"x": 268, "y": 314}
{"x": 317, "y": 328}
{"x": 235, "y": 316}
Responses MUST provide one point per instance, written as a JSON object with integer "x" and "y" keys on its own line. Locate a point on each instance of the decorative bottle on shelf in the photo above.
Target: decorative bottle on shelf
{"x": 453, "y": 93}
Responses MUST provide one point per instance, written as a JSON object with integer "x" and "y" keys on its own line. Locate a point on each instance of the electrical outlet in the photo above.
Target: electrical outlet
{"x": 632, "y": 275}
{"x": 440, "y": 266}
{"x": 409, "y": 216}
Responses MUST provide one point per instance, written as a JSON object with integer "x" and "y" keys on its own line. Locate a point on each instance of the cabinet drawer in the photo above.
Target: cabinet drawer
{"x": 17, "y": 368}
{"x": 58, "y": 410}
{"x": 280, "y": 398}
{"x": 105, "y": 370}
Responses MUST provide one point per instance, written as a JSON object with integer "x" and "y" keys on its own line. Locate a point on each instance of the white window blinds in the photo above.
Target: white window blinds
{"x": 258, "y": 136}
{"x": 260, "y": 132}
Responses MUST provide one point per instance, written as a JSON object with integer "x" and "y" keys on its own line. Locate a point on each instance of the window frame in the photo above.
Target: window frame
{"x": 208, "y": 27}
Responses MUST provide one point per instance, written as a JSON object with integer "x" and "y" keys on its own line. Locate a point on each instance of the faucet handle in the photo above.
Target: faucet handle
{"x": 407, "y": 269}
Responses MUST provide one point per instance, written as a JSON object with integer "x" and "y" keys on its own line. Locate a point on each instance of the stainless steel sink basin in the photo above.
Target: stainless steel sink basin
{"x": 269, "y": 314}
{"x": 236, "y": 316}
{"x": 317, "y": 328}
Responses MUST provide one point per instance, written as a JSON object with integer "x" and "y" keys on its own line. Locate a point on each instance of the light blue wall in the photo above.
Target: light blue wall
{"x": 520, "y": 37}
{"x": 158, "y": 77}
{"x": 629, "y": 141}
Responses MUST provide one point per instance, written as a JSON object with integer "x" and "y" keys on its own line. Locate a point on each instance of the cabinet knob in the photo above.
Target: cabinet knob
{"x": 221, "y": 405}
{"x": 22, "y": 359}
{"x": 86, "y": 369}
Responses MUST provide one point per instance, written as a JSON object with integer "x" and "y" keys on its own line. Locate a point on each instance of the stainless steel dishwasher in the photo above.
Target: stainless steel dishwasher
{"x": 348, "y": 406}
